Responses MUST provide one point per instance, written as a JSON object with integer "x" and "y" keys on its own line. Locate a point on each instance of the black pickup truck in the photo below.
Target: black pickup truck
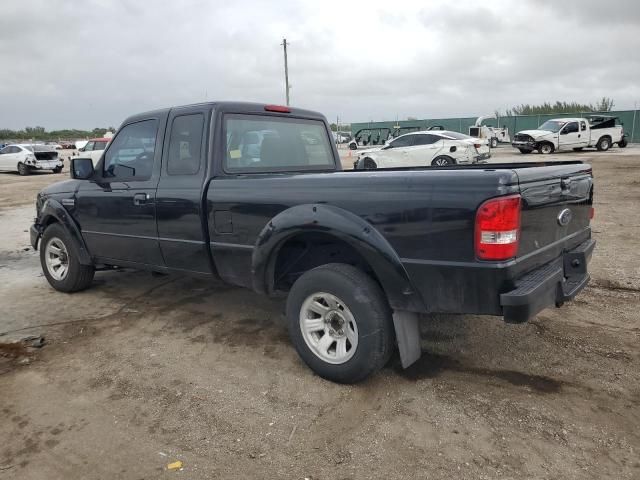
{"x": 255, "y": 195}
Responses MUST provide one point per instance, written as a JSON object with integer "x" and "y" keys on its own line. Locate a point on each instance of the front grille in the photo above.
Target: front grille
{"x": 520, "y": 137}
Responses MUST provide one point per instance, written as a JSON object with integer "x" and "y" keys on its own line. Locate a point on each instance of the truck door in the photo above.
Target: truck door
{"x": 570, "y": 136}
{"x": 179, "y": 203}
{"x": 117, "y": 211}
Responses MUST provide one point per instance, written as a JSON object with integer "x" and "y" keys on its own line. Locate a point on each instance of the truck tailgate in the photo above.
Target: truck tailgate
{"x": 556, "y": 207}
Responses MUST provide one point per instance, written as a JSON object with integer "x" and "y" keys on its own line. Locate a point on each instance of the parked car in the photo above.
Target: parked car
{"x": 359, "y": 254}
{"x": 94, "y": 149}
{"x": 434, "y": 147}
{"x": 26, "y": 158}
{"x": 571, "y": 134}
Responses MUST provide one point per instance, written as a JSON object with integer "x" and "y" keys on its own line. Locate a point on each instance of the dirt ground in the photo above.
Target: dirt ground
{"x": 141, "y": 371}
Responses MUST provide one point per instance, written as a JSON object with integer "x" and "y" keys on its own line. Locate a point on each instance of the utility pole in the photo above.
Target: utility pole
{"x": 286, "y": 70}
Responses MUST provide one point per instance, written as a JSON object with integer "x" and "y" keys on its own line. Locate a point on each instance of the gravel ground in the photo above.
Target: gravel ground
{"x": 141, "y": 371}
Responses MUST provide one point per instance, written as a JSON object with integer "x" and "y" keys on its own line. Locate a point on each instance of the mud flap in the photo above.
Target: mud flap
{"x": 407, "y": 329}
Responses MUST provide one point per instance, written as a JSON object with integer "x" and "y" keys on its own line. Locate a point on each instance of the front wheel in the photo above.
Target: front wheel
{"x": 546, "y": 148}
{"x": 60, "y": 261}
{"x": 340, "y": 323}
{"x": 442, "y": 161}
{"x": 57, "y": 170}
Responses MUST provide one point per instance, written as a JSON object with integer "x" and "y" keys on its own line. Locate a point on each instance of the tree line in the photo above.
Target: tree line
{"x": 604, "y": 105}
{"x": 41, "y": 134}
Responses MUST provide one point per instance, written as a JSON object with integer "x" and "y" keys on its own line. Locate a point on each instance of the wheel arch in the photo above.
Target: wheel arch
{"x": 53, "y": 212}
{"x": 343, "y": 227}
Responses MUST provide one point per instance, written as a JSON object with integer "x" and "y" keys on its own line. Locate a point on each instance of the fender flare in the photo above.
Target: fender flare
{"x": 344, "y": 226}
{"x": 54, "y": 209}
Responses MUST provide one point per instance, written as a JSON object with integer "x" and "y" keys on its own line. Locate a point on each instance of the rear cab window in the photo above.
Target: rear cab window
{"x": 265, "y": 143}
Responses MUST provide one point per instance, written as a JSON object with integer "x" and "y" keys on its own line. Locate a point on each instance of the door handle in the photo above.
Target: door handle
{"x": 141, "y": 198}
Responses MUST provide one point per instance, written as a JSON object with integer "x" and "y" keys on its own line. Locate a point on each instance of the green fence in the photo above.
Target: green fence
{"x": 630, "y": 119}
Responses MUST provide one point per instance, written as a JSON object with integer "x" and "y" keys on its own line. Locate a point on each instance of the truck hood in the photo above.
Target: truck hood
{"x": 536, "y": 133}
{"x": 66, "y": 186}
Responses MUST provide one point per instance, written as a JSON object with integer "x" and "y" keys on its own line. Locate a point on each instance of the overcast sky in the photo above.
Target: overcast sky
{"x": 92, "y": 63}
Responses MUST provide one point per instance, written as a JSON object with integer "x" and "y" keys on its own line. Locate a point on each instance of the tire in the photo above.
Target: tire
{"x": 578, "y": 149}
{"x": 623, "y": 143}
{"x": 546, "y": 148}
{"x": 442, "y": 161}
{"x": 493, "y": 143}
{"x": 603, "y": 144}
{"x": 23, "y": 169}
{"x": 57, "y": 170}
{"x": 346, "y": 300}
{"x": 353, "y": 146}
{"x": 369, "y": 164}
{"x": 56, "y": 243}
{"x": 524, "y": 150}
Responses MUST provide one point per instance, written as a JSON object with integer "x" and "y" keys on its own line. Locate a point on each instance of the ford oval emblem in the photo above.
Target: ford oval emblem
{"x": 564, "y": 217}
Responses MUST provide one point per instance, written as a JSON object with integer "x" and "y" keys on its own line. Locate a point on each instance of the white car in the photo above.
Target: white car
{"x": 428, "y": 148}
{"x": 94, "y": 149}
{"x": 26, "y": 158}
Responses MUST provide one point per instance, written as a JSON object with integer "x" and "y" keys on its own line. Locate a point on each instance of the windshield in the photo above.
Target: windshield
{"x": 552, "y": 126}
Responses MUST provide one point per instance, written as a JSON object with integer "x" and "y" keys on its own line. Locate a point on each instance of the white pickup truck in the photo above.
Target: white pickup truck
{"x": 571, "y": 134}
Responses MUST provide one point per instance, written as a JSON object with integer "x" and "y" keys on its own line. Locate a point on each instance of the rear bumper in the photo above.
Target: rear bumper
{"x": 482, "y": 157}
{"x": 552, "y": 284}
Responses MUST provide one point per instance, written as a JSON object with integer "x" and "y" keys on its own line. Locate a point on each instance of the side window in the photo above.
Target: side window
{"x": 583, "y": 126}
{"x": 130, "y": 154}
{"x": 5, "y": 150}
{"x": 425, "y": 139}
{"x": 99, "y": 146}
{"x": 405, "y": 141}
{"x": 257, "y": 143}
{"x": 185, "y": 145}
{"x": 571, "y": 127}
{"x": 15, "y": 150}
{"x": 88, "y": 147}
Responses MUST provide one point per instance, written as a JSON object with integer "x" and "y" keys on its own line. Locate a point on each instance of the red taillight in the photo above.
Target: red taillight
{"x": 592, "y": 213}
{"x": 498, "y": 228}
{"x": 277, "y": 108}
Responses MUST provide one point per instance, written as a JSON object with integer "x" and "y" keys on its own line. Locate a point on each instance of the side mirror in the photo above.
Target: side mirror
{"x": 81, "y": 168}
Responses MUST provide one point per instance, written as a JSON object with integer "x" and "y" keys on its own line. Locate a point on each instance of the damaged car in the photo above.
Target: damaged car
{"x": 25, "y": 159}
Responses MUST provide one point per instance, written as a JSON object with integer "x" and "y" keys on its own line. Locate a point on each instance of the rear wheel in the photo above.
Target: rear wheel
{"x": 524, "y": 150}
{"x": 60, "y": 261}
{"x": 603, "y": 144}
{"x": 340, "y": 323}
{"x": 623, "y": 143}
{"x": 493, "y": 142}
{"x": 442, "y": 161}
{"x": 546, "y": 148}
{"x": 23, "y": 169}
